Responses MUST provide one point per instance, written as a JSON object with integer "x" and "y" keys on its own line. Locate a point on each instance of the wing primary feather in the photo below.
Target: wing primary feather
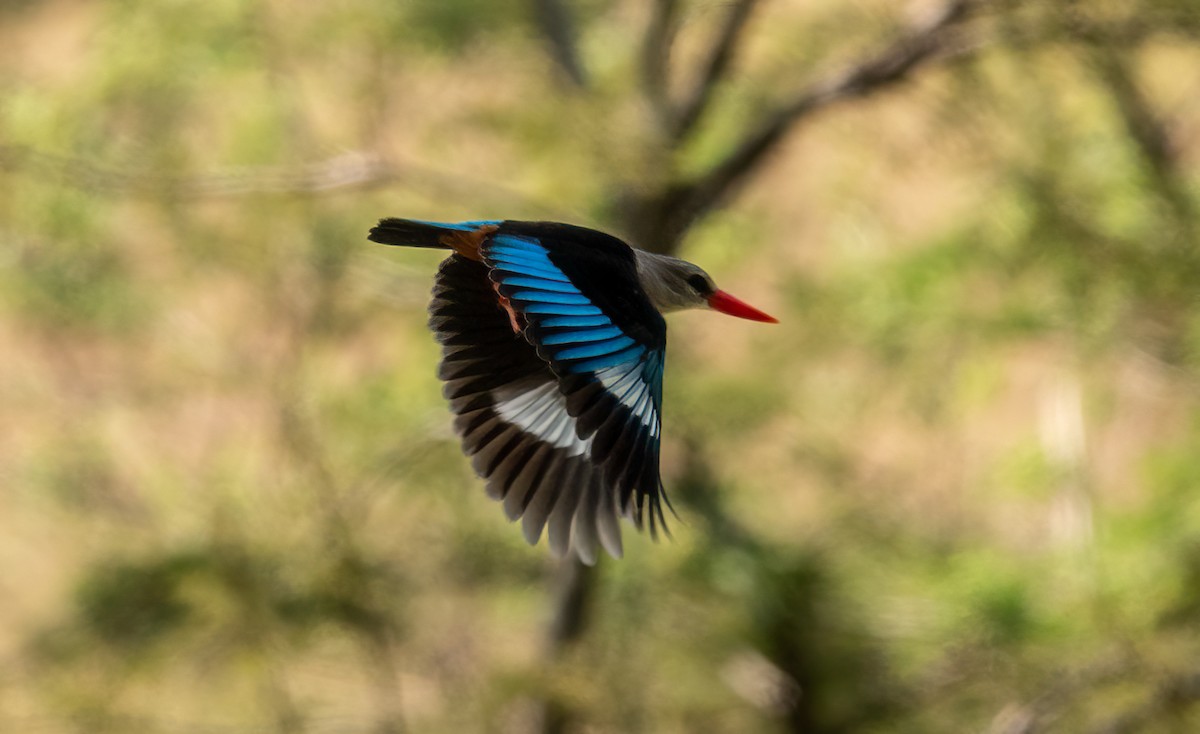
{"x": 482, "y": 434}
{"x": 524, "y": 478}
{"x": 475, "y": 343}
{"x": 458, "y": 387}
{"x": 610, "y": 360}
{"x": 453, "y": 369}
{"x": 647, "y": 482}
{"x": 594, "y": 349}
{"x": 467, "y": 422}
{"x": 510, "y": 468}
{"x": 653, "y": 527}
{"x": 605, "y": 439}
{"x": 624, "y": 468}
{"x": 490, "y": 455}
{"x": 639, "y": 510}
{"x": 666, "y": 499}
{"x": 498, "y": 452}
{"x": 606, "y": 522}
{"x": 528, "y": 399}
{"x": 627, "y": 477}
{"x": 583, "y": 532}
{"x": 543, "y": 493}
{"x": 662, "y": 520}
{"x": 564, "y": 508}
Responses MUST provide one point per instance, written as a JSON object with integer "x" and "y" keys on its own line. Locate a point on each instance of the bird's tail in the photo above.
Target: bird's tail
{"x": 417, "y": 233}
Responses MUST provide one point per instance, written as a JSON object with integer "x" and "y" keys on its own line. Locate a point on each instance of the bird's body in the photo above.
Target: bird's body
{"x": 552, "y": 357}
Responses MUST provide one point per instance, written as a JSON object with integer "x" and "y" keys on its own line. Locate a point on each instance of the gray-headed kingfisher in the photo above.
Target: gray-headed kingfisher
{"x": 552, "y": 357}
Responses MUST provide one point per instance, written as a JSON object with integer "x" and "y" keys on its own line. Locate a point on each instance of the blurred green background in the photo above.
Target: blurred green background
{"x": 957, "y": 489}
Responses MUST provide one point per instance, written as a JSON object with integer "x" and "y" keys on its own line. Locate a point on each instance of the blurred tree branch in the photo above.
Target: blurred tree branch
{"x": 348, "y": 172}
{"x": 932, "y": 40}
{"x": 659, "y": 218}
{"x": 1148, "y": 132}
{"x": 353, "y": 171}
{"x": 556, "y": 24}
{"x": 719, "y": 60}
{"x": 570, "y": 618}
{"x": 655, "y": 58}
{"x": 1172, "y": 696}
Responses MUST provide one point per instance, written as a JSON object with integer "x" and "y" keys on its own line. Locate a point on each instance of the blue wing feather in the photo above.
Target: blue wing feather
{"x": 532, "y": 296}
{"x": 560, "y": 309}
{"x": 631, "y": 354}
{"x": 557, "y": 322}
{"x": 538, "y": 283}
{"x": 521, "y": 265}
{"x": 576, "y": 336}
{"x": 549, "y": 300}
{"x": 608, "y": 346}
{"x": 514, "y": 243}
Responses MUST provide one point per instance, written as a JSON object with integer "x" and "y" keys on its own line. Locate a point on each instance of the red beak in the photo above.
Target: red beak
{"x": 725, "y": 303}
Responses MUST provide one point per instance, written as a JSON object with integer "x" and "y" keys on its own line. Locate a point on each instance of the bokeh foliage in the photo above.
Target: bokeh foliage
{"x": 956, "y": 489}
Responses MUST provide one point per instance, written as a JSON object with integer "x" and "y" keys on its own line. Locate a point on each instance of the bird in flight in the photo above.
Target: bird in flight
{"x": 552, "y": 360}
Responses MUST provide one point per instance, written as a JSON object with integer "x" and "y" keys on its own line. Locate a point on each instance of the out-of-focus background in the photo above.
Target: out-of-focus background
{"x": 957, "y": 489}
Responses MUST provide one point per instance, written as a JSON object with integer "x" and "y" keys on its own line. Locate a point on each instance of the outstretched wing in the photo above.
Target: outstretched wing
{"x": 552, "y": 359}
{"x": 514, "y": 421}
{"x": 588, "y": 318}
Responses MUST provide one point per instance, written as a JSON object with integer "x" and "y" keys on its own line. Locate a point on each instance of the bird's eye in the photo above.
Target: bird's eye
{"x": 699, "y": 283}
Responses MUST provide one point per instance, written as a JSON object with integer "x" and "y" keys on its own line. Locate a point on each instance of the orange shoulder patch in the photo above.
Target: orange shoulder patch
{"x": 467, "y": 244}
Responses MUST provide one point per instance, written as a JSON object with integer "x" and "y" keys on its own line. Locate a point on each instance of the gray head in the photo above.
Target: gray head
{"x": 675, "y": 284}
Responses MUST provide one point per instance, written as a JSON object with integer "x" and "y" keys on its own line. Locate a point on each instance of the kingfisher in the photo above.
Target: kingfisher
{"x": 553, "y": 343}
